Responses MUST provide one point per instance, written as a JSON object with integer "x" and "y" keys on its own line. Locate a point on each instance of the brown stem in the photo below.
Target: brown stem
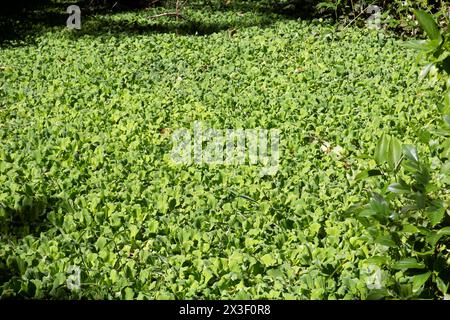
{"x": 167, "y": 14}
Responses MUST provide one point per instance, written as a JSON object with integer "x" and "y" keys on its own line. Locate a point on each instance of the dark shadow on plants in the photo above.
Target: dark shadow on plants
{"x": 102, "y": 25}
{"x": 304, "y": 9}
{"x": 21, "y": 19}
{"x": 30, "y": 218}
{"x": 25, "y": 19}
{"x": 6, "y": 273}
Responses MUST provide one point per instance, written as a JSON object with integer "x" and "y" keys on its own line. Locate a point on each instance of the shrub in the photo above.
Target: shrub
{"x": 409, "y": 216}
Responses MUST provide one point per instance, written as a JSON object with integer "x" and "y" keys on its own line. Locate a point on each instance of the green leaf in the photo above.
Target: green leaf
{"x": 379, "y": 205}
{"x": 275, "y": 273}
{"x": 395, "y": 153}
{"x": 423, "y": 45}
{"x": 268, "y": 260}
{"x": 327, "y": 5}
{"x": 378, "y": 260}
{"x": 134, "y": 230}
{"x": 385, "y": 240}
{"x": 424, "y": 72}
{"x": 433, "y": 237}
{"x": 367, "y": 173}
{"x": 442, "y": 286}
{"x": 101, "y": 242}
{"x": 410, "y": 152}
{"x": 408, "y": 263}
{"x": 377, "y": 294}
{"x": 411, "y": 166}
{"x": 428, "y": 24}
{"x": 435, "y": 215}
{"x": 419, "y": 280}
{"x": 445, "y": 231}
{"x": 399, "y": 188}
{"x": 409, "y": 228}
{"x": 129, "y": 294}
{"x": 382, "y": 149}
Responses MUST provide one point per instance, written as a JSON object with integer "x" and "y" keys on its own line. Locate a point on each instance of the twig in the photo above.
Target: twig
{"x": 167, "y": 14}
{"x": 354, "y": 19}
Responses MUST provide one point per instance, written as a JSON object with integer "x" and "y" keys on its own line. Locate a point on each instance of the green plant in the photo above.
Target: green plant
{"x": 410, "y": 214}
{"x": 85, "y": 127}
{"x": 395, "y": 15}
{"x": 436, "y": 49}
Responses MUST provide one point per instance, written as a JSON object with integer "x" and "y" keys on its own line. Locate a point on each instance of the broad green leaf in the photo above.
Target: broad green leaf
{"x": 378, "y": 260}
{"x": 423, "y": 45}
{"x": 442, "y": 286}
{"x": 445, "y": 231}
{"x": 129, "y": 293}
{"x": 415, "y": 44}
{"x": 410, "y": 152}
{"x": 382, "y": 149}
{"x": 367, "y": 173}
{"x": 419, "y": 280}
{"x": 425, "y": 70}
{"x": 433, "y": 237}
{"x": 268, "y": 260}
{"x": 435, "y": 215}
{"x": 134, "y": 230}
{"x": 446, "y": 119}
{"x": 408, "y": 263}
{"x": 101, "y": 242}
{"x": 399, "y": 188}
{"x": 395, "y": 153}
{"x": 385, "y": 240}
{"x": 379, "y": 205}
{"x": 275, "y": 273}
{"x": 409, "y": 228}
{"x": 367, "y": 213}
{"x": 428, "y": 24}
{"x": 410, "y": 166}
{"x": 377, "y": 294}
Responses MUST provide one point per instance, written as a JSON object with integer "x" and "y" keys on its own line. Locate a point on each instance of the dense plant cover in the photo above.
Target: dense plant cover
{"x": 86, "y": 118}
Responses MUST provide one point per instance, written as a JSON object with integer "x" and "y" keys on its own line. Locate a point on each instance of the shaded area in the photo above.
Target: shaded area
{"x": 30, "y": 218}
{"x": 102, "y": 25}
{"x": 24, "y": 19}
{"x": 21, "y": 19}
